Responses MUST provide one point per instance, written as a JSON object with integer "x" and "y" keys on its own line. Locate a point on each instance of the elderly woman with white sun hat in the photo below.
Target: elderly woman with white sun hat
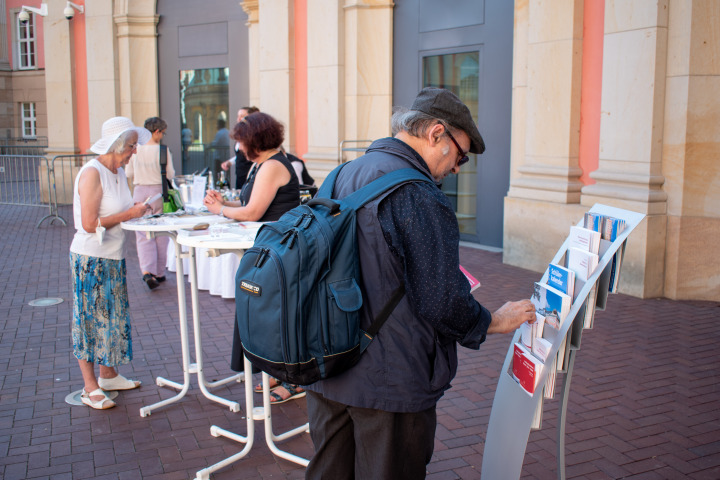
{"x": 101, "y": 330}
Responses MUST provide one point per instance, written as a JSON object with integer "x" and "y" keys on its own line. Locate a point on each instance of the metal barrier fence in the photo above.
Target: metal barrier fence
{"x": 30, "y": 180}
{"x": 358, "y": 148}
{"x": 27, "y": 149}
{"x": 24, "y": 180}
{"x": 61, "y": 180}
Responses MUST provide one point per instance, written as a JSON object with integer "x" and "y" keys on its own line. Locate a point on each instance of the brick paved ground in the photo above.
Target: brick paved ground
{"x": 644, "y": 401}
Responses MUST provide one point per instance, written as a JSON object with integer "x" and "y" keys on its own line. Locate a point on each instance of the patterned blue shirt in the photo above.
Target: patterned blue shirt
{"x": 420, "y": 227}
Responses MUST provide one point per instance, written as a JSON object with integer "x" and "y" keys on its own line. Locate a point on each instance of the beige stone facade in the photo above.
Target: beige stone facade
{"x": 349, "y": 50}
{"x": 659, "y": 135}
{"x": 659, "y": 139}
{"x": 20, "y": 87}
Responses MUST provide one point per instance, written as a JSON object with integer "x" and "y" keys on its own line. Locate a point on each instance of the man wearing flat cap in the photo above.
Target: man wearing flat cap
{"x": 377, "y": 420}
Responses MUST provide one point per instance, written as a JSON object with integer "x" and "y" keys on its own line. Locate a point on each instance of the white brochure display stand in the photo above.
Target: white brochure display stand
{"x": 513, "y": 408}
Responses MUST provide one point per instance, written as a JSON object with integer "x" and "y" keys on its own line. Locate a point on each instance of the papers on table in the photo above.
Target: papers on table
{"x": 198, "y": 190}
{"x": 233, "y": 232}
{"x": 176, "y": 219}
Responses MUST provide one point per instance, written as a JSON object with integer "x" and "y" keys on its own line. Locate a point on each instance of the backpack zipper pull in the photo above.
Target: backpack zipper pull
{"x": 309, "y": 220}
{"x": 259, "y": 258}
{"x": 263, "y": 257}
{"x": 293, "y": 237}
{"x": 300, "y": 220}
{"x": 286, "y": 236}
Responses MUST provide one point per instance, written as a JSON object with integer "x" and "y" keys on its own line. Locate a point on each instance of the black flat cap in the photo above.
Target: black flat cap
{"x": 446, "y": 106}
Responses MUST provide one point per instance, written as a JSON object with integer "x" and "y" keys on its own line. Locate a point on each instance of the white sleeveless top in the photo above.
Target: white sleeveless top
{"x": 116, "y": 198}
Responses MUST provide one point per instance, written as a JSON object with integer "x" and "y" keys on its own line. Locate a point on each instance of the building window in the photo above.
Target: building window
{"x": 26, "y": 43}
{"x": 29, "y": 122}
{"x": 459, "y": 73}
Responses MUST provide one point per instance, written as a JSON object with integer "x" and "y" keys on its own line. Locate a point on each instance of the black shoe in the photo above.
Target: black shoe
{"x": 150, "y": 280}
{"x": 159, "y": 279}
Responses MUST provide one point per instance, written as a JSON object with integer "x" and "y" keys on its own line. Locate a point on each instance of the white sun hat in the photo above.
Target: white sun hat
{"x": 111, "y": 131}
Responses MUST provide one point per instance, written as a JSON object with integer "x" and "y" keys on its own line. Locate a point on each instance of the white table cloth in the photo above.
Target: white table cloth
{"x": 215, "y": 274}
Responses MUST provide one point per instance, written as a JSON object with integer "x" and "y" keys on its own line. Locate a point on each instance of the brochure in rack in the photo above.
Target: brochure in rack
{"x": 526, "y": 368}
{"x": 554, "y": 305}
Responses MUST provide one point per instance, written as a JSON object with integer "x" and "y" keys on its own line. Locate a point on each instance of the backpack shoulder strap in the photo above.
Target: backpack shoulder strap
{"x": 382, "y": 184}
{"x": 163, "y": 174}
{"x": 328, "y": 185}
{"x": 388, "y": 308}
{"x": 367, "y": 193}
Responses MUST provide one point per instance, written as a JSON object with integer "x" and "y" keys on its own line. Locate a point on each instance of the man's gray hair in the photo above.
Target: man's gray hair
{"x": 121, "y": 143}
{"x": 414, "y": 122}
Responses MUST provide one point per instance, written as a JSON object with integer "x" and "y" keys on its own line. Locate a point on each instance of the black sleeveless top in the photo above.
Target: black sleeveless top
{"x": 287, "y": 196}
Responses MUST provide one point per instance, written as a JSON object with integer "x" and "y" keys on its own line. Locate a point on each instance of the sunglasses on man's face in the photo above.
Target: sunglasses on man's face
{"x": 464, "y": 158}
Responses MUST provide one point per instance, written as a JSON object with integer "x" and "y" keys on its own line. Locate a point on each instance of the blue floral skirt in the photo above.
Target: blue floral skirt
{"x": 101, "y": 330}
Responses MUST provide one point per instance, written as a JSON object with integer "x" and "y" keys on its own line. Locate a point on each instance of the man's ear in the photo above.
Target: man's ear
{"x": 435, "y": 133}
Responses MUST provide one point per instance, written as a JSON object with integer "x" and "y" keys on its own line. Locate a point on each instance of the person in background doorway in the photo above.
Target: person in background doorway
{"x": 101, "y": 330}
{"x": 144, "y": 169}
{"x": 220, "y": 146}
{"x": 242, "y": 164}
{"x": 187, "y": 138}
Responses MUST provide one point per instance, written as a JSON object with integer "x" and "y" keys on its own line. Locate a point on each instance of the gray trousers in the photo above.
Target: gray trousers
{"x": 362, "y": 443}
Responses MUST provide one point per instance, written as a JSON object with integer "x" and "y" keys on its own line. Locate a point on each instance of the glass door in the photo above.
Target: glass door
{"x": 459, "y": 73}
{"x": 204, "y": 118}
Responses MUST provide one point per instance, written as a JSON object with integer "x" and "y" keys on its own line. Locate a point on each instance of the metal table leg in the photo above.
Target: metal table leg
{"x": 204, "y": 384}
{"x": 252, "y": 414}
{"x": 182, "y": 312}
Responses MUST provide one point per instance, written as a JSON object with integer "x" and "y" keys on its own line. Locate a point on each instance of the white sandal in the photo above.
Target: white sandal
{"x": 99, "y": 404}
{"x": 117, "y": 383}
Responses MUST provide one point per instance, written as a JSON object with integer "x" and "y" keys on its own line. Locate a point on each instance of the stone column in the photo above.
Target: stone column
{"x": 101, "y": 51}
{"x": 368, "y": 69}
{"x": 136, "y": 27}
{"x": 251, "y": 8}
{"x": 547, "y": 69}
{"x": 326, "y": 76}
{"x": 59, "y": 82}
{"x": 691, "y": 151}
{"x": 629, "y": 173}
{"x": 276, "y": 63}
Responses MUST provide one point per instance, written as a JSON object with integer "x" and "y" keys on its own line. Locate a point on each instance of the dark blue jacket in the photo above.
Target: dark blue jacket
{"x": 408, "y": 235}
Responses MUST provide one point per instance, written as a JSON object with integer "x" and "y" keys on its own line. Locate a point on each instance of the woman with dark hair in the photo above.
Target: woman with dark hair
{"x": 272, "y": 187}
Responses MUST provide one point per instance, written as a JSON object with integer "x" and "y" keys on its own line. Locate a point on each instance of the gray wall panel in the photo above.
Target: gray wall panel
{"x": 212, "y": 34}
{"x": 416, "y": 37}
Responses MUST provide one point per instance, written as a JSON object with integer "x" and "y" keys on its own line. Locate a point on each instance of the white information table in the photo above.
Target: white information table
{"x": 169, "y": 225}
{"x": 236, "y": 239}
